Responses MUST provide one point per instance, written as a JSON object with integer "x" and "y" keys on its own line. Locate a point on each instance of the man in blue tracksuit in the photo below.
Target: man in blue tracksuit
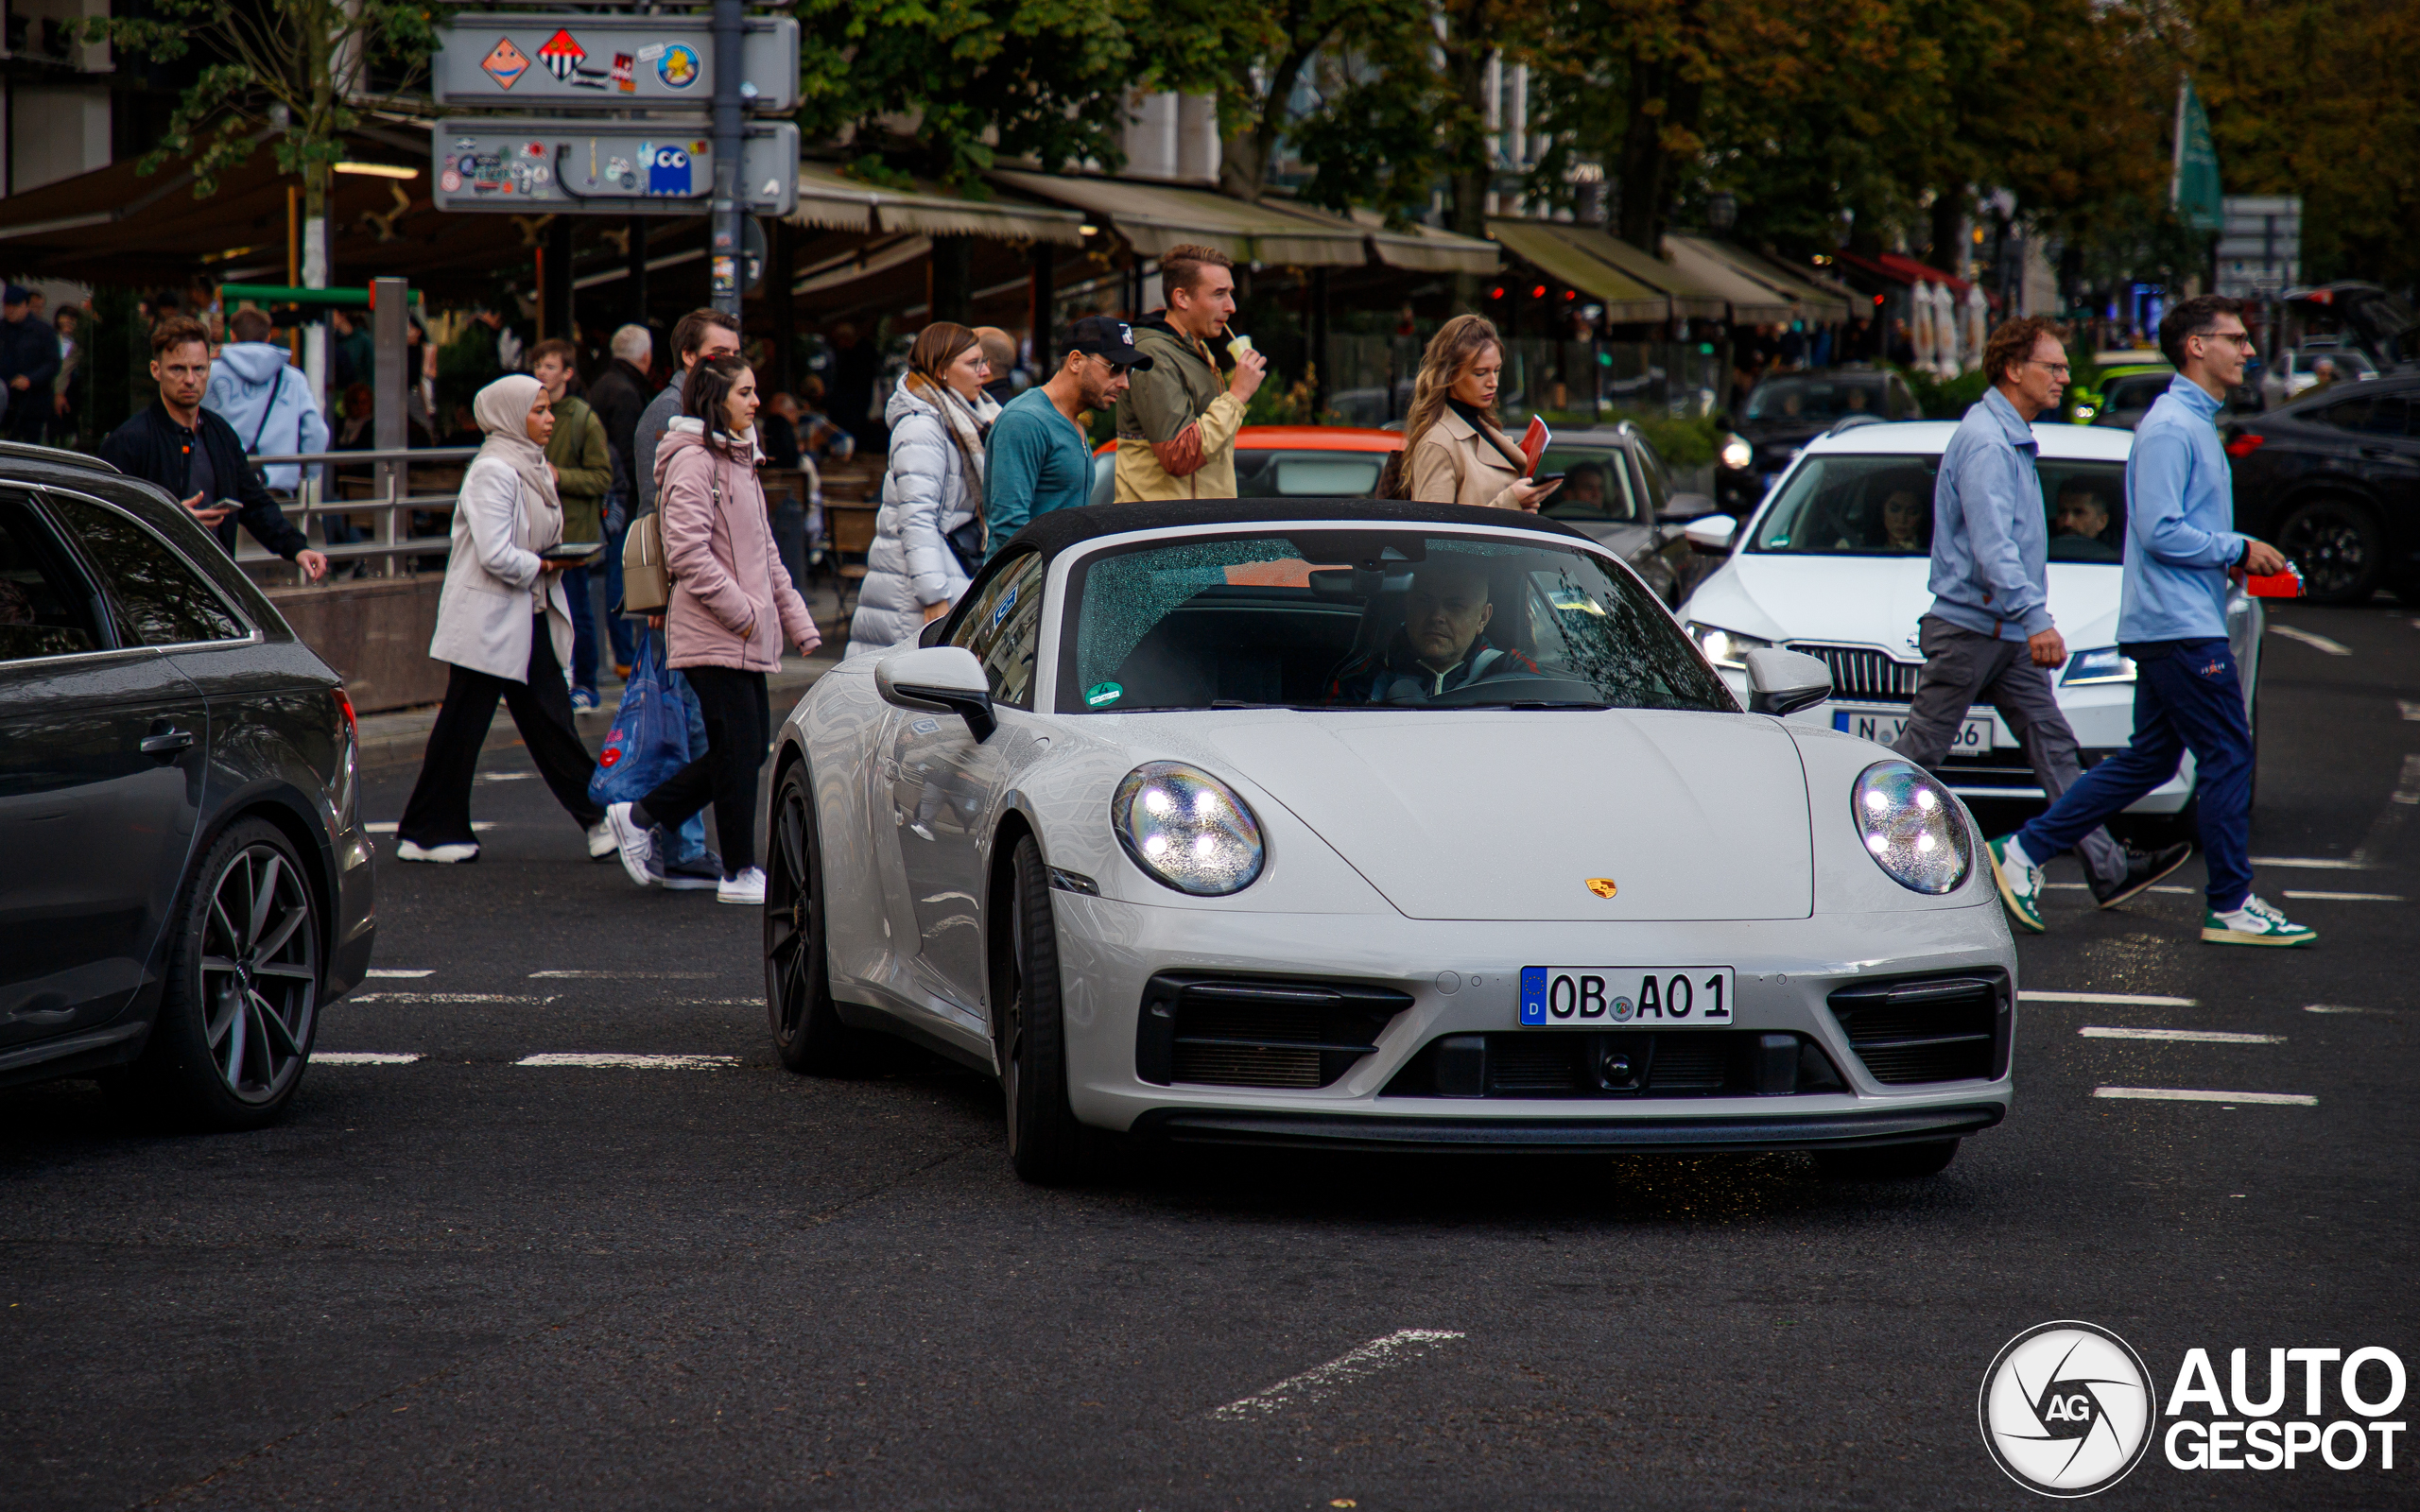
{"x": 2172, "y": 621}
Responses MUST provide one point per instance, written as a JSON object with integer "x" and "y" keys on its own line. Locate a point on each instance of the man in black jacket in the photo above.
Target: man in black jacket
{"x": 197, "y": 457}
{"x": 619, "y": 394}
{"x": 29, "y": 361}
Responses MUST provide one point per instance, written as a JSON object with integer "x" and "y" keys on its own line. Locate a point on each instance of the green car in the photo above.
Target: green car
{"x": 2120, "y": 390}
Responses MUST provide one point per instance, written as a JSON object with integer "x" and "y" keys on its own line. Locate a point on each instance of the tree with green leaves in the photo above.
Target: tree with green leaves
{"x": 292, "y": 72}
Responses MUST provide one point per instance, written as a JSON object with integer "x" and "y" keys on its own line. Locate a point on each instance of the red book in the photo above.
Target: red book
{"x": 1533, "y": 444}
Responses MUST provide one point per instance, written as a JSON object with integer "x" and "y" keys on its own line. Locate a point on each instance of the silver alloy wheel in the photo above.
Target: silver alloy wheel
{"x": 259, "y": 973}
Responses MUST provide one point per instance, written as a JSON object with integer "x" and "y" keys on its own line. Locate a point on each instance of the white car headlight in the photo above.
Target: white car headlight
{"x": 1736, "y": 454}
{"x": 1911, "y": 827}
{"x": 2107, "y": 665}
{"x": 1725, "y": 649}
{"x": 1187, "y": 829}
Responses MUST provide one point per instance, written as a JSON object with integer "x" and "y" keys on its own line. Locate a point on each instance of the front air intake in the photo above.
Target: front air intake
{"x": 1220, "y": 1030}
{"x": 1951, "y": 1028}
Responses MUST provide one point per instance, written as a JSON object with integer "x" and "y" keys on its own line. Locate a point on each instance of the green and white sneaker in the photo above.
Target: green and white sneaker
{"x": 2255, "y": 924}
{"x": 2020, "y": 885}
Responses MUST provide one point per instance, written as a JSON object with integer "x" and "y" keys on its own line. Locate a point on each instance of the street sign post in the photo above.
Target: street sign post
{"x": 592, "y": 63}
{"x": 662, "y": 167}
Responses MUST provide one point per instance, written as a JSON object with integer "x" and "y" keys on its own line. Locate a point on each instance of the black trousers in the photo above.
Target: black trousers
{"x": 440, "y": 810}
{"x": 739, "y": 720}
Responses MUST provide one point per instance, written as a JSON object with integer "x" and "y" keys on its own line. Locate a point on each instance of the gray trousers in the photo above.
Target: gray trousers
{"x": 1963, "y": 668}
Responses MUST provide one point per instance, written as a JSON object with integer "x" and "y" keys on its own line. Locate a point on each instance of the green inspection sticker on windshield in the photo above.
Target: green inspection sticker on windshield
{"x": 1102, "y": 693}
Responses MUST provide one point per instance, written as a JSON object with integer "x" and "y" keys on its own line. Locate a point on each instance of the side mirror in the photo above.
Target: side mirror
{"x": 1685, "y": 507}
{"x": 1783, "y": 683}
{"x": 938, "y": 680}
{"x": 1712, "y": 533}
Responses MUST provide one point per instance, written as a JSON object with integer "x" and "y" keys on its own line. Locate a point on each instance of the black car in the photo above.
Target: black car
{"x": 2333, "y": 481}
{"x": 1787, "y": 410}
{"x": 185, "y": 878}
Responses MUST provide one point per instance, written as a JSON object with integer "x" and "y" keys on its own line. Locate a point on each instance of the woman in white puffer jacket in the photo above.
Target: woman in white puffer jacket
{"x": 932, "y": 485}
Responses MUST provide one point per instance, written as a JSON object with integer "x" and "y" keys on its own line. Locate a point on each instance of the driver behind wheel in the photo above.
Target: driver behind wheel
{"x": 1442, "y": 644}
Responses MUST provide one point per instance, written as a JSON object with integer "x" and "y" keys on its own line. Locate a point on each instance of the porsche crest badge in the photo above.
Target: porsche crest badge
{"x": 1602, "y": 886}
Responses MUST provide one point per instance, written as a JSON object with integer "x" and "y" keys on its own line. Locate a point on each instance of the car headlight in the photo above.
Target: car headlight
{"x": 1725, "y": 649}
{"x": 1736, "y": 454}
{"x": 1911, "y": 827}
{"x": 2107, "y": 665}
{"x": 1187, "y": 829}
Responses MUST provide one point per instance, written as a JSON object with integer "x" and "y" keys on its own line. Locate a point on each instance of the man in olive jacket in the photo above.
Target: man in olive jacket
{"x": 1177, "y": 425}
{"x": 583, "y": 471}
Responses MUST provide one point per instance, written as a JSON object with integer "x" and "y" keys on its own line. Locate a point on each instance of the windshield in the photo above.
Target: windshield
{"x": 1369, "y": 618}
{"x": 1815, "y": 401}
{"x": 1849, "y": 506}
{"x": 2138, "y": 390}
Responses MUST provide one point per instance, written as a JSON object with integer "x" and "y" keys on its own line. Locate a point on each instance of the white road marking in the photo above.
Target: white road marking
{"x": 1316, "y": 1383}
{"x": 2207, "y": 1037}
{"x": 506, "y": 777}
{"x": 2130, "y": 999}
{"x": 615, "y": 1061}
{"x": 628, "y": 976}
{"x": 449, "y": 997}
{"x": 2338, "y": 1007}
{"x": 400, "y": 970}
{"x": 2411, "y": 710}
{"x": 2317, "y": 643}
{"x": 2349, "y": 897}
{"x": 387, "y": 825}
{"x": 2179, "y": 1094}
{"x": 2311, "y": 862}
{"x": 361, "y": 1058}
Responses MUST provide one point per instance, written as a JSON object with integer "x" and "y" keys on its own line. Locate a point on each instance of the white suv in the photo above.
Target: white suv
{"x": 1834, "y": 562}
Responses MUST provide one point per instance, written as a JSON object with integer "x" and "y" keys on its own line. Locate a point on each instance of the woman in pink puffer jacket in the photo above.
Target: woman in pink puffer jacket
{"x": 733, "y": 605}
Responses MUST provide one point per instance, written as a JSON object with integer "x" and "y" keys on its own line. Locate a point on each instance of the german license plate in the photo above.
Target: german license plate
{"x": 1625, "y": 997}
{"x": 1973, "y": 738}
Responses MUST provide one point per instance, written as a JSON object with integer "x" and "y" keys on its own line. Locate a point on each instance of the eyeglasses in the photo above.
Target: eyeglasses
{"x": 2056, "y": 370}
{"x": 2242, "y": 338}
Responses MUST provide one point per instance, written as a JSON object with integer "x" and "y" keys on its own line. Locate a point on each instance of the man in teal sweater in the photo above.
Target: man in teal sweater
{"x": 1035, "y": 459}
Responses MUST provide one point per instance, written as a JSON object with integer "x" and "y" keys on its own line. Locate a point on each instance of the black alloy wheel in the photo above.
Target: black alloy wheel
{"x": 2339, "y": 547}
{"x": 1046, "y": 1143}
{"x": 241, "y": 1002}
{"x": 808, "y": 1035}
{"x": 1891, "y": 1162}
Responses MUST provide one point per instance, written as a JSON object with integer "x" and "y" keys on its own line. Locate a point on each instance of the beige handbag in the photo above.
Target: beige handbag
{"x": 647, "y": 583}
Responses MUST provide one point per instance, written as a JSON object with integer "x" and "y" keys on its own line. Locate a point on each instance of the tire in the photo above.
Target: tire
{"x": 240, "y": 1005}
{"x": 2339, "y": 547}
{"x": 808, "y": 1035}
{"x": 1891, "y": 1162}
{"x": 1046, "y": 1143}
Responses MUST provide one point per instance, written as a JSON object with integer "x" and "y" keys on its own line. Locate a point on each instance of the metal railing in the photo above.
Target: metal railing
{"x": 390, "y": 500}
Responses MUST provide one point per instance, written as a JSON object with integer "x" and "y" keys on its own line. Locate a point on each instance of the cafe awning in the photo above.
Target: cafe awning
{"x": 1816, "y": 300}
{"x": 1751, "y": 301}
{"x": 1563, "y": 254}
{"x": 1155, "y": 217}
{"x": 827, "y": 200}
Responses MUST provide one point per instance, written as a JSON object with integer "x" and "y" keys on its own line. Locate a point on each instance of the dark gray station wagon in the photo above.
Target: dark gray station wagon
{"x": 184, "y": 880}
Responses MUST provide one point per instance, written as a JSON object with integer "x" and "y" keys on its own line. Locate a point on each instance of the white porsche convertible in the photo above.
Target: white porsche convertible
{"x": 1376, "y": 826}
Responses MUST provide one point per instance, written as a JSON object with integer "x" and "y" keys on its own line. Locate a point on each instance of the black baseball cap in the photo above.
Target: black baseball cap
{"x": 1110, "y": 340}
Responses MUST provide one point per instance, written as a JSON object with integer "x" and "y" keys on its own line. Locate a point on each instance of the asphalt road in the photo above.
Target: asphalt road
{"x": 469, "y": 1281}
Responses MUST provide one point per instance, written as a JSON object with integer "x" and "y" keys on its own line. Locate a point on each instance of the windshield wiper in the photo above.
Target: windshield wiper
{"x": 1535, "y": 703}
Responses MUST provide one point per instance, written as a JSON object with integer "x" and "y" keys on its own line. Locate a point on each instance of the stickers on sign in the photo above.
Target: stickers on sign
{"x": 667, "y": 171}
{"x": 449, "y": 181}
{"x": 505, "y": 64}
{"x": 1100, "y": 694}
{"x": 625, "y": 72}
{"x": 679, "y": 67}
{"x": 561, "y": 54}
{"x": 651, "y": 52}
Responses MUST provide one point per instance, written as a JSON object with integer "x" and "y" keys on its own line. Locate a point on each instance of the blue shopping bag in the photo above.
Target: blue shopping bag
{"x": 650, "y": 740}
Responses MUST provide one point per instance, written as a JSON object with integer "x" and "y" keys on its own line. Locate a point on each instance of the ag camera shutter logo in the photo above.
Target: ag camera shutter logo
{"x": 2067, "y": 1409}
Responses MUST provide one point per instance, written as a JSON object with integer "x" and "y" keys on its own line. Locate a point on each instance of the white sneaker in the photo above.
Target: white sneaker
{"x": 601, "y": 844}
{"x": 443, "y": 855}
{"x": 748, "y": 888}
{"x": 631, "y": 839}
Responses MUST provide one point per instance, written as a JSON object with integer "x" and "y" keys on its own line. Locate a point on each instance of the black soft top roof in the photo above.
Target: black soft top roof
{"x": 1062, "y": 529}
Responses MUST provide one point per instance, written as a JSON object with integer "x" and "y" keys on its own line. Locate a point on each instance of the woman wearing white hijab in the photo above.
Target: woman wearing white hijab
{"x": 505, "y": 625}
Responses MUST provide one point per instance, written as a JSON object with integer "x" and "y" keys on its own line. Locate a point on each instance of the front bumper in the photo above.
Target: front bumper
{"x": 1461, "y": 978}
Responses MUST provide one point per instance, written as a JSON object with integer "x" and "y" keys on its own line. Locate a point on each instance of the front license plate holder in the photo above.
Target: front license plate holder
{"x": 1626, "y": 997}
{"x": 1884, "y": 726}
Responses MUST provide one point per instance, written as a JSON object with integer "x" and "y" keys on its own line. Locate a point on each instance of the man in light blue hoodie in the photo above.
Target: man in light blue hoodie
{"x": 2181, "y": 547}
{"x": 264, "y": 399}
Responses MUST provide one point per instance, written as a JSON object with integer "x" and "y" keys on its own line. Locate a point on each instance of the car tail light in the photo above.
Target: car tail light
{"x": 2243, "y": 443}
{"x": 352, "y": 721}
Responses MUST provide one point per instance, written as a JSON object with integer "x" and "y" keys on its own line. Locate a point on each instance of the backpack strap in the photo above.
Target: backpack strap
{"x": 277, "y": 391}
